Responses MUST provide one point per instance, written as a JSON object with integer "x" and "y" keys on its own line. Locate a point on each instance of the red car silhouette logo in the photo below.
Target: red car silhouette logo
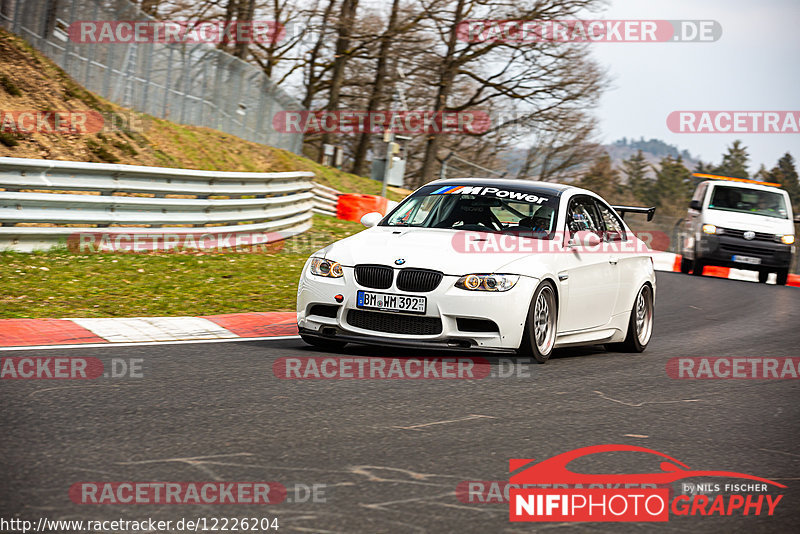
{"x": 554, "y": 470}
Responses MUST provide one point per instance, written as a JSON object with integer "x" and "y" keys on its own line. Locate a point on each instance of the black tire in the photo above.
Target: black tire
{"x": 762, "y": 277}
{"x": 541, "y": 324}
{"x": 686, "y": 265}
{"x": 783, "y": 277}
{"x": 697, "y": 264}
{"x": 323, "y": 343}
{"x": 640, "y": 324}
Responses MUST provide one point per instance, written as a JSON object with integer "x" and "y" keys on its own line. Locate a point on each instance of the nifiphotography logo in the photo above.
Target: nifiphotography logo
{"x": 548, "y": 491}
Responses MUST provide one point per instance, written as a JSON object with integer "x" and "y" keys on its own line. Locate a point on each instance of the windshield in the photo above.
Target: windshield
{"x": 478, "y": 208}
{"x": 744, "y": 200}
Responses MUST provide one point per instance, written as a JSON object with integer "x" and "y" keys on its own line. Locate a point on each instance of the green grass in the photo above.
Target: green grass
{"x": 58, "y": 283}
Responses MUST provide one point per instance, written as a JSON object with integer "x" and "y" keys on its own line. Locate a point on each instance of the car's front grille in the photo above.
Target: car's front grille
{"x": 394, "y": 323}
{"x": 418, "y": 280}
{"x": 374, "y": 276}
{"x": 746, "y": 249}
{"x": 760, "y": 236}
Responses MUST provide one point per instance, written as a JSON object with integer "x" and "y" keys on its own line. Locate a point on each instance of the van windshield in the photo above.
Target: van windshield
{"x": 744, "y": 200}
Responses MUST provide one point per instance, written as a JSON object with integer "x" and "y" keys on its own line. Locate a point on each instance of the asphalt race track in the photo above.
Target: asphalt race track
{"x": 215, "y": 411}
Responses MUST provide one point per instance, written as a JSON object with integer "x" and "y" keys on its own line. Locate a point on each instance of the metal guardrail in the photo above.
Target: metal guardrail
{"x": 325, "y": 199}
{"x": 65, "y": 198}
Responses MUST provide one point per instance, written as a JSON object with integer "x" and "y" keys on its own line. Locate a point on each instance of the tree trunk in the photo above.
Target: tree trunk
{"x": 344, "y": 30}
{"x": 360, "y": 154}
{"x": 245, "y": 12}
{"x": 313, "y": 78}
{"x": 446, "y": 78}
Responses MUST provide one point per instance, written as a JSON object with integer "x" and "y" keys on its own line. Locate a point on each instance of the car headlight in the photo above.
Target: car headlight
{"x": 487, "y": 282}
{"x": 327, "y": 268}
{"x": 709, "y": 229}
{"x": 787, "y": 239}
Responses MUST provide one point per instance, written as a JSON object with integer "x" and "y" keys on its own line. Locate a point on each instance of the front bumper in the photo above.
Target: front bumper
{"x": 719, "y": 250}
{"x": 446, "y": 304}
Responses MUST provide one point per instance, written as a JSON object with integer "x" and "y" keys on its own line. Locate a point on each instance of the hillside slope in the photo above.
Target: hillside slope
{"x": 30, "y": 81}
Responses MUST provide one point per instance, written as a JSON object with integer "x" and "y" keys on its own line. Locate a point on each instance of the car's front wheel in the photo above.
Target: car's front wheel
{"x": 640, "y": 324}
{"x": 686, "y": 265}
{"x": 323, "y": 343}
{"x": 539, "y": 336}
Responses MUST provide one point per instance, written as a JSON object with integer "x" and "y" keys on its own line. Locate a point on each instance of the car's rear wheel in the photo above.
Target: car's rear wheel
{"x": 783, "y": 277}
{"x": 762, "y": 277}
{"x": 640, "y": 324}
{"x": 323, "y": 343}
{"x": 539, "y": 336}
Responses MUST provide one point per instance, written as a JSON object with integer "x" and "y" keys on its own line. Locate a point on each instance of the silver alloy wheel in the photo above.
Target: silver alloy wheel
{"x": 544, "y": 320}
{"x": 644, "y": 314}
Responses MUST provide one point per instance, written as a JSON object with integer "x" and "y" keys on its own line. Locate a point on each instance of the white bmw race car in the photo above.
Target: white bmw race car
{"x": 489, "y": 265}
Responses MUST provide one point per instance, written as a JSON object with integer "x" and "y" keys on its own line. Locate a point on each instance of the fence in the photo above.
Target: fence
{"x": 186, "y": 83}
{"x": 43, "y": 193}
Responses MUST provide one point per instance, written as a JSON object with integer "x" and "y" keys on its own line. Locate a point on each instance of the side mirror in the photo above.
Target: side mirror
{"x": 584, "y": 238}
{"x": 371, "y": 219}
{"x": 695, "y": 205}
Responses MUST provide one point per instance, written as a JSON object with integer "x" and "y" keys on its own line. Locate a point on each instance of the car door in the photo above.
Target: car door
{"x": 592, "y": 280}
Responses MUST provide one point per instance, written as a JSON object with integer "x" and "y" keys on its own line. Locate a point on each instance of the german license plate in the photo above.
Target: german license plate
{"x": 747, "y": 259}
{"x": 389, "y": 302}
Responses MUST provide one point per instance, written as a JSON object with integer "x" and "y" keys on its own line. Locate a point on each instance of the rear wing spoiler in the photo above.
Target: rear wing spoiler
{"x": 622, "y": 210}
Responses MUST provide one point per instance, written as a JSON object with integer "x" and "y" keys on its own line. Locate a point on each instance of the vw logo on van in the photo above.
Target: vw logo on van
{"x": 749, "y": 235}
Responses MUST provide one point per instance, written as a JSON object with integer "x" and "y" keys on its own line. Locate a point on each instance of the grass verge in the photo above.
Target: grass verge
{"x": 58, "y": 283}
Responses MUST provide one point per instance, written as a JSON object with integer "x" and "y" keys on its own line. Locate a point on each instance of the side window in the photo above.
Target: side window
{"x": 614, "y": 229}
{"x": 582, "y": 215}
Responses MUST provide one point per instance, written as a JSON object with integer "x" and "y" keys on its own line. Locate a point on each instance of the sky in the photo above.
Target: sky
{"x": 755, "y": 65}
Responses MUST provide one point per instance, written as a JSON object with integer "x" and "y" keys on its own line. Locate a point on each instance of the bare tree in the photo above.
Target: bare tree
{"x": 560, "y": 147}
{"x": 344, "y": 29}
{"x": 542, "y": 77}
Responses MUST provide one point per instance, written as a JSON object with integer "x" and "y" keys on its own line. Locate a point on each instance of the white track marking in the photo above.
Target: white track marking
{"x": 122, "y": 330}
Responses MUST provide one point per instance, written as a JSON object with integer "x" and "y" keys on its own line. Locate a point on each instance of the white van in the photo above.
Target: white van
{"x": 739, "y": 223}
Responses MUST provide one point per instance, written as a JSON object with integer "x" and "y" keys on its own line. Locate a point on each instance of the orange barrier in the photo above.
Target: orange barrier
{"x": 352, "y": 207}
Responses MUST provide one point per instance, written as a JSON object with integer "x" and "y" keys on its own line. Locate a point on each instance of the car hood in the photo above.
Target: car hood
{"x": 426, "y": 248}
{"x": 748, "y": 221}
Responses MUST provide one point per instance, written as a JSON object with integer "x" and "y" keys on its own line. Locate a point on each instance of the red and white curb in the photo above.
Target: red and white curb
{"x": 667, "y": 261}
{"x": 230, "y": 327}
{"x": 36, "y": 332}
